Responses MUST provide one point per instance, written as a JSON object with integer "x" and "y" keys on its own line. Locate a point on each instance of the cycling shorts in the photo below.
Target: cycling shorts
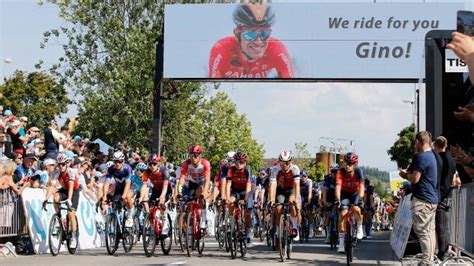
{"x": 63, "y": 195}
{"x": 348, "y": 198}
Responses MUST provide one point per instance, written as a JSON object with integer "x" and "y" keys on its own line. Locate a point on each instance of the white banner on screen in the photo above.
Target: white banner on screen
{"x": 38, "y": 221}
{"x": 323, "y": 40}
{"x": 453, "y": 64}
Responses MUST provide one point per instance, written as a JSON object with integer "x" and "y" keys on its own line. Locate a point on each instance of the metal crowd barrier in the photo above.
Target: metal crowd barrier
{"x": 462, "y": 219}
{"x": 12, "y": 217}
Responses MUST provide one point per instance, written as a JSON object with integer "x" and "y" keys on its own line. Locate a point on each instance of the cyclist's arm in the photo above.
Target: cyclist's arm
{"x": 144, "y": 189}
{"x": 165, "y": 183}
{"x": 207, "y": 179}
{"x": 310, "y": 191}
{"x": 248, "y": 189}
{"x": 338, "y": 185}
{"x": 71, "y": 190}
{"x": 325, "y": 196}
{"x": 297, "y": 191}
{"x": 228, "y": 186}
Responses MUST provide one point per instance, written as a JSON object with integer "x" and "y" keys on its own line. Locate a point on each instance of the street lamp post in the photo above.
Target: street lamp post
{"x": 413, "y": 111}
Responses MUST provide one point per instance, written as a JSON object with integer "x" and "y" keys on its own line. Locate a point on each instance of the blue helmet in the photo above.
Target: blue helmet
{"x": 303, "y": 173}
{"x": 334, "y": 167}
{"x": 142, "y": 166}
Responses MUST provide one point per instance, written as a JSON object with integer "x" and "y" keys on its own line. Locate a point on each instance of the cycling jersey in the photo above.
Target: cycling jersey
{"x": 239, "y": 178}
{"x": 285, "y": 180}
{"x": 305, "y": 187}
{"x": 157, "y": 179}
{"x": 330, "y": 187}
{"x": 136, "y": 183}
{"x": 349, "y": 182}
{"x": 66, "y": 177}
{"x": 226, "y": 61}
{"x": 195, "y": 173}
{"x": 120, "y": 176}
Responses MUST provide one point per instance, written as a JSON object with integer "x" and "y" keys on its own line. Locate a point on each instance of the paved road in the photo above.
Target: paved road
{"x": 374, "y": 251}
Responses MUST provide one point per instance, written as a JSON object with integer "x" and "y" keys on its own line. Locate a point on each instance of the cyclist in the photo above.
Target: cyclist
{"x": 65, "y": 185}
{"x": 159, "y": 177}
{"x": 349, "y": 189}
{"x": 368, "y": 211}
{"x": 329, "y": 196}
{"x": 251, "y": 52}
{"x": 285, "y": 185}
{"x": 263, "y": 187}
{"x": 239, "y": 187}
{"x": 121, "y": 174}
{"x": 137, "y": 184}
{"x": 195, "y": 176}
{"x": 306, "y": 188}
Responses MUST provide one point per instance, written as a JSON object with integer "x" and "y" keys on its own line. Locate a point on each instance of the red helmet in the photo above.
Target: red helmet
{"x": 195, "y": 149}
{"x": 240, "y": 156}
{"x": 154, "y": 158}
{"x": 351, "y": 157}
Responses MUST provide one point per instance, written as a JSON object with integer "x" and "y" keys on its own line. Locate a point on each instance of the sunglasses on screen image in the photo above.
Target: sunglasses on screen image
{"x": 118, "y": 162}
{"x": 251, "y": 35}
{"x": 194, "y": 155}
{"x": 153, "y": 164}
{"x": 61, "y": 164}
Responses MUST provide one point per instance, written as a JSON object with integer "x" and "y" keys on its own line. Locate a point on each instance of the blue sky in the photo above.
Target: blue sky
{"x": 281, "y": 113}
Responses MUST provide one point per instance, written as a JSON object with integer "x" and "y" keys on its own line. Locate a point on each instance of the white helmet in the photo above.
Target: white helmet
{"x": 118, "y": 155}
{"x": 285, "y": 156}
{"x": 230, "y": 156}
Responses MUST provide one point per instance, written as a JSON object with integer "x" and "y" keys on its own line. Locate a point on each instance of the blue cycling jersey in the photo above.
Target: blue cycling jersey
{"x": 120, "y": 176}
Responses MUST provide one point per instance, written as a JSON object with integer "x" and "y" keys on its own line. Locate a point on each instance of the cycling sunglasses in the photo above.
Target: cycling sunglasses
{"x": 251, "y": 35}
{"x": 194, "y": 155}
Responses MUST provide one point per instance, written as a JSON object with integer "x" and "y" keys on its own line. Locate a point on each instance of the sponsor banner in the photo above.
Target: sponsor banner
{"x": 401, "y": 227}
{"x": 303, "y": 41}
{"x": 395, "y": 181}
{"x": 453, "y": 64}
{"x": 38, "y": 221}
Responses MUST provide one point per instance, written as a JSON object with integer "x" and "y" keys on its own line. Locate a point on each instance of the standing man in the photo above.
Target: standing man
{"x": 446, "y": 181}
{"x": 52, "y": 140}
{"x": 423, "y": 175}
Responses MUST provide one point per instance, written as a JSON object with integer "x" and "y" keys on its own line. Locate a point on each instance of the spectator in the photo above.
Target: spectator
{"x": 65, "y": 137}
{"x": 48, "y": 168}
{"x": 23, "y": 124}
{"x": 463, "y": 159}
{"x": 33, "y": 133}
{"x": 423, "y": 175}
{"x": 5, "y": 146}
{"x": 52, "y": 140}
{"x": 6, "y": 176}
{"x": 17, "y": 140}
{"x": 445, "y": 181}
{"x": 17, "y": 158}
{"x": 25, "y": 170}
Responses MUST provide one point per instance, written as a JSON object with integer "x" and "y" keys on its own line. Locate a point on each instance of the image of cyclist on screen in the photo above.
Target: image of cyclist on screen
{"x": 251, "y": 52}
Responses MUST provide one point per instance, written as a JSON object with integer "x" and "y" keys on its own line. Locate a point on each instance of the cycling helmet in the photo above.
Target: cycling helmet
{"x": 253, "y": 15}
{"x": 334, "y": 167}
{"x": 195, "y": 149}
{"x": 351, "y": 158}
{"x": 142, "y": 166}
{"x": 240, "y": 156}
{"x": 285, "y": 156}
{"x": 62, "y": 158}
{"x": 303, "y": 173}
{"x": 154, "y": 158}
{"x": 230, "y": 156}
{"x": 109, "y": 164}
{"x": 118, "y": 155}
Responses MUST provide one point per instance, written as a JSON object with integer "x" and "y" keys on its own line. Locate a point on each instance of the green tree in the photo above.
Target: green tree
{"x": 35, "y": 95}
{"x": 403, "y": 149}
{"x": 380, "y": 188}
{"x": 305, "y": 162}
{"x": 376, "y": 173}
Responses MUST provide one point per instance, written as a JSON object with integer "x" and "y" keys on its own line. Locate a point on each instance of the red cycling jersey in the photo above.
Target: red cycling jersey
{"x": 157, "y": 179}
{"x": 349, "y": 182}
{"x": 226, "y": 61}
{"x": 285, "y": 180}
{"x": 239, "y": 178}
{"x": 66, "y": 177}
{"x": 195, "y": 173}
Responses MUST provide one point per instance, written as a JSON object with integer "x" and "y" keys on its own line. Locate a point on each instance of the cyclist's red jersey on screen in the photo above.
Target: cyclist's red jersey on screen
{"x": 226, "y": 61}
{"x": 349, "y": 182}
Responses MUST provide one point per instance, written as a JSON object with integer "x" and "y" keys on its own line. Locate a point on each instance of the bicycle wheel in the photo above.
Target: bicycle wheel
{"x": 182, "y": 227}
{"x": 231, "y": 237}
{"x": 111, "y": 234}
{"x": 221, "y": 231}
{"x": 216, "y": 228}
{"x": 167, "y": 239}
{"x": 149, "y": 235}
{"x": 127, "y": 236}
{"x": 348, "y": 243}
{"x": 333, "y": 233}
{"x": 135, "y": 230}
{"x": 189, "y": 240}
{"x": 242, "y": 237}
{"x": 282, "y": 238}
{"x": 55, "y": 235}
{"x": 176, "y": 231}
{"x": 200, "y": 242}
{"x": 71, "y": 249}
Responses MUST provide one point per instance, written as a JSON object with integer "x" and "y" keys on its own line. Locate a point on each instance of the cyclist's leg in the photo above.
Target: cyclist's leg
{"x": 293, "y": 212}
{"x": 59, "y": 196}
{"x": 202, "y": 206}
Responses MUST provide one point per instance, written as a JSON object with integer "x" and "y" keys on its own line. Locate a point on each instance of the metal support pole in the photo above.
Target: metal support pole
{"x": 157, "y": 97}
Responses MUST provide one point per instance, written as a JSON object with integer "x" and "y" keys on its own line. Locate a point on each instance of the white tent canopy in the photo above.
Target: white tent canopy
{"x": 104, "y": 147}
